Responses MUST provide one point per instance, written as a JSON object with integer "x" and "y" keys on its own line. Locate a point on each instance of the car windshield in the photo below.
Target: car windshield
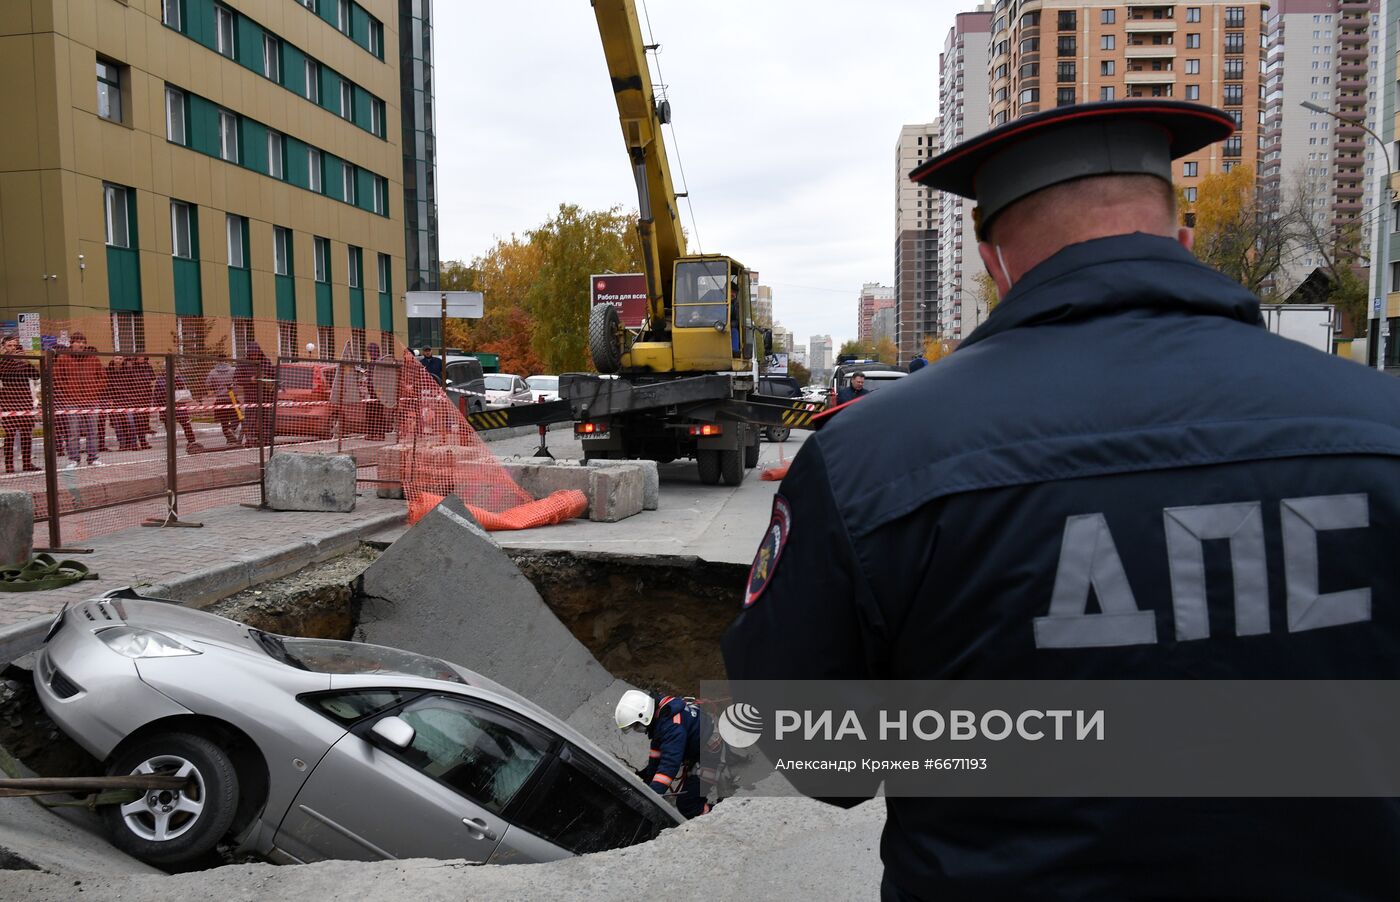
{"x": 296, "y": 377}
{"x": 877, "y": 381}
{"x": 332, "y": 656}
{"x": 543, "y": 383}
{"x": 497, "y": 382}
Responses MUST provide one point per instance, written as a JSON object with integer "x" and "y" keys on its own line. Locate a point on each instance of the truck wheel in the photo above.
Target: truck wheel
{"x": 605, "y": 338}
{"x": 731, "y": 466}
{"x": 751, "y": 451}
{"x": 708, "y": 464}
{"x": 778, "y": 433}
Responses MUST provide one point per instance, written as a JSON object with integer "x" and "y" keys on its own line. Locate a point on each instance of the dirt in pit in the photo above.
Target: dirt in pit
{"x": 655, "y": 622}
{"x": 318, "y": 601}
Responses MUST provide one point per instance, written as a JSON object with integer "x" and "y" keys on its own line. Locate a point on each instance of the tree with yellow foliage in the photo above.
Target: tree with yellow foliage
{"x": 1234, "y": 233}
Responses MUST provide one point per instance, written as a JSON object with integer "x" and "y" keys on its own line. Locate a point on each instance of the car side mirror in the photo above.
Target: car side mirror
{"x": 767, "y": 342}
{"x": 393, "y": 730}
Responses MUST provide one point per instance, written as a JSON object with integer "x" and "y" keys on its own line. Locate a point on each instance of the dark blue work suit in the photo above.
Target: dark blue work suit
{"x": 1120, "y": 397}
{"x": 676, "y": 732}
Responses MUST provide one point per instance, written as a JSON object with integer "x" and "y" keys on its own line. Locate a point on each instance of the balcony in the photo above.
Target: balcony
{"x": 1351, "y": 177}
{"x": 1149, "y": 77}
{"x": 1149, "y": 26}
{"x": 1353, "y": 6}
{"x": 1349, "y": 68}
{"x": 1348, "y": 206}
{"x": 1353, "y": 53}
{"x": 1351, "y": 191}
{"x": 1349, "y": 131}
{"x": 1149, "y": 51}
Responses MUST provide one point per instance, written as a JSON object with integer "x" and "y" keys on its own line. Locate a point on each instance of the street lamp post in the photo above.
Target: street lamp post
{"x": 1383, "y": 257}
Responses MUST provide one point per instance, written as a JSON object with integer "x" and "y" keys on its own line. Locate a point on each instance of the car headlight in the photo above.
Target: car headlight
{"x": 135, "y": 642}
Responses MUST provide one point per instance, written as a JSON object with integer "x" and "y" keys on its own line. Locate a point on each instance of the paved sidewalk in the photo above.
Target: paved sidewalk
{"x": 236, "y": 547}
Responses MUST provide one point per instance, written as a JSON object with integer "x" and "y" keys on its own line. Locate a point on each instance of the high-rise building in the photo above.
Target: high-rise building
{"x": 419, "y": 158}
{"x": 873, "y": 297}
{"x": 1321, "y": 52}
{"x": 1385, "y": 272}
{"x": 763, "y": 305}
{"x": 962, "y": 90}
{"x": 1049, "y": 53}
{"x": 916, "y": 241}
{"x": 819, "y": 356}
{"x": 782, "y": 338}
{"x": 231, "y": 159}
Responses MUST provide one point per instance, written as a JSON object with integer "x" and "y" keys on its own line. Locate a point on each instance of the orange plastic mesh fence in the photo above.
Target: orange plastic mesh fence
{"x": 98, "y": 404}
{"x": 565, "y": 504}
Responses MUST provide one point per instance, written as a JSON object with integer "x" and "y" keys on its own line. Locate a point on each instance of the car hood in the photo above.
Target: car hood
{"x": 168, "y": 617}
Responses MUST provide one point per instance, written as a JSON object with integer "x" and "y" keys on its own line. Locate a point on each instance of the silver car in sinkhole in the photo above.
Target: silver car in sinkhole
{"x": 301, "y": 750}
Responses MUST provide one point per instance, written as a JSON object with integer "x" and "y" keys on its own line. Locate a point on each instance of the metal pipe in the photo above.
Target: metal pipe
{"x": 46, "y": 402}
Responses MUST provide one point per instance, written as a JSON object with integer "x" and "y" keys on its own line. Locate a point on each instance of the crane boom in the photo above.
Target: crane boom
{"x": 641, "y": 117}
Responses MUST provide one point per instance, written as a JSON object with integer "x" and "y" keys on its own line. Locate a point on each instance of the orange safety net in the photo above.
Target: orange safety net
{"x": 562, "y": 505}
{"x": 156, "y": 417}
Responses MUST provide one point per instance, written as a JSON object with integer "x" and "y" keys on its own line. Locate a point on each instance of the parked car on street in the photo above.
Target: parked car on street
{"x": 841, "y": 376}
{"x": 308, "y": 749}
{"x": 545, "y": 388}
{"x": 506, "y": 390}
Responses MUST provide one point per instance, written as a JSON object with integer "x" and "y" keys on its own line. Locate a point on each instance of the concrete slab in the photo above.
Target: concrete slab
{"x": 310, "y": 482}
{"x": 16, "y": 527}
{"x": 614, "y": 493}
{"x": 651, "y": 479}
{"x": 445, "y": 588}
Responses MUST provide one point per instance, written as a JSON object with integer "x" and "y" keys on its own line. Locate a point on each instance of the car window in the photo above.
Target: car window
{"x": 543, "y": 383}
{"x": 459, "y": 372}
{"x": 348, "y": 707}
{"x": 481, "y": 753}
{"x": 497, "y": 382}
{"x": 584, "y": 807}
{"x": 295, "y": 377}
{"x": 334, "y": 656}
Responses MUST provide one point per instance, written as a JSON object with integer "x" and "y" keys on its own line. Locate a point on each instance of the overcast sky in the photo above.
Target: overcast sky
{"x": 786, "y": 118}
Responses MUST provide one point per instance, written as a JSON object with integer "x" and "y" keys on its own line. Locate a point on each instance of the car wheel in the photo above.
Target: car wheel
{"x": 172, "y": 828}
{"x": 778, "y": 433}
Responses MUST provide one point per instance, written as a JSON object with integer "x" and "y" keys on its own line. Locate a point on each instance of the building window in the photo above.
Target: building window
{"x": 1189, "y": 170}
{"x": 228, "y": 136}
{"x": 276, "y": 164}
{"x": 1193, "y": 41}
{"x": 181, "y": 230}
{"x": 342, "y": 16}
{"x": 1066, "y": 45}
{"x": 286, "y": 339}
{"x": 1234, "y": 95}
{"x": 381, "y": 190}
{"x": 376, "y": 117}
{"x": 312, "y": 5}
{"x": 237, "y": 256}
{"x": 175, "y": 116}
{"x": 1233, "y": 146}
{"x": 1193, "y": 14}
{"x": 1030, "y": 95}
{"x": 347, "y": 174}
{"x": 1193, "y": 92}
{"x": 383, "y": 273}
{"x": 170, "y": 14}
{"x": 1030, "y": 45}
{"x": 109, "y": 91}
{"x": 313, "y": 170}
{"x": 1030, "y": 70}
{"x": 1234, "y": 17}
{"x": 118, "y": 226}
{"x": 1064, "y": 71}
{"x": 223, "y": 31}
{"x": 347, "y": 100}
{"x": 353, "y": 258}
{"x": 1065, "y": 21}
{"x": 281, "y": 251}
{"x": 1064, "y": 96}
{"x": 1234, "y": 42}
{"x": 1193, "y": 67}
{"x": 1234, "y": 69}
{"x": 1106, "y": 42}
{"x": 128, "y": 332}
{"x": 376, "y": 39}
{"x": 312, "y": 72}
{"x": 272, "y": 58}
{"x": 1190, "y": 194}
{"x": 1237, "y": 115}
{"x": 1106, "y": 93}
{"x": 1108, "y": 67}
{"x": 325, "y": 336}
{"x": 1107, "y": 17}
{"x": 323, "y": 259}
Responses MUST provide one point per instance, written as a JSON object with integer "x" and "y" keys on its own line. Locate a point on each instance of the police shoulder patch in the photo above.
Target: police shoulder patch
{"x": 769, "y": 550}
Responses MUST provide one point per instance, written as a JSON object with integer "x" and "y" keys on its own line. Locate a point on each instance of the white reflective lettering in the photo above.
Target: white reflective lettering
{"x": 1302, "y": 520}
{"x": 1243, "y": 526}
{"x": 1089, "y": 559}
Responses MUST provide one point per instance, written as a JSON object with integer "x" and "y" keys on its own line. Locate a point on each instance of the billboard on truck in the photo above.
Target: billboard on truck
{"x": 626, "y": 291}
{"x": 1312, "y": 324}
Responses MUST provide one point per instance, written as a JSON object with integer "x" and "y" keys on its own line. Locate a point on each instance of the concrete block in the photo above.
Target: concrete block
{"x": 311, "y": 482}
{"x": 651, "y": 479}
{"x": 541, "y": 478}
{"x": 614, "y": 493}
{"x": 445, "y": 588}
{"x": 16, "y": 527}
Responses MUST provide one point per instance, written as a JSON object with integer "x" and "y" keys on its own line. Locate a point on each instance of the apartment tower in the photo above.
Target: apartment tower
{"x": 874, "y": 297}
{"x": 916, "y": 241}
{"x": 962, "y": 90}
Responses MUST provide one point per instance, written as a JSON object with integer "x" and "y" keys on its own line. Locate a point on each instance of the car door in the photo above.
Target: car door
{"x": 440, "y": 797}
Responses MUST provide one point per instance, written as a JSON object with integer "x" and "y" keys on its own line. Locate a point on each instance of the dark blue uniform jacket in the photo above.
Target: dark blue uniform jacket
{"x": 675, "y": 742}
{"x": 1120, "y": 397}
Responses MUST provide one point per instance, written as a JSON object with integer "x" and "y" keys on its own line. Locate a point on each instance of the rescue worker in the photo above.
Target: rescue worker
{"x": 1008, "y": 516}
{"x": 676, "y": 730}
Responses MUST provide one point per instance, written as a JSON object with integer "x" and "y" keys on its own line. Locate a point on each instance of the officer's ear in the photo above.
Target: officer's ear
{"x": 1186, "y": 236}
{"x": 992, "y": 261}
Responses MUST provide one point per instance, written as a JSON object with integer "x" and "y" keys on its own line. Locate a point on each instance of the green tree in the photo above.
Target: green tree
{"x": 573, "y": 245}
{"x": 799, "y": 372}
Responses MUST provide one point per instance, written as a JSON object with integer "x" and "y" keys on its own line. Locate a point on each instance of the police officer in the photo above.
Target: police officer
{"x": 676, "y": 729}
{"x": 1023, "y": 521}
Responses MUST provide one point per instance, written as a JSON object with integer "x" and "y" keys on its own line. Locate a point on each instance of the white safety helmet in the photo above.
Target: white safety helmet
{"x": 634, "y": 708}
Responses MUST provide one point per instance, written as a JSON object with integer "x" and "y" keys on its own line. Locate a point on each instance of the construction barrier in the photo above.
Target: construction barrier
{"x": 557, "y": 507}
{"x": 120, "y": 420}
